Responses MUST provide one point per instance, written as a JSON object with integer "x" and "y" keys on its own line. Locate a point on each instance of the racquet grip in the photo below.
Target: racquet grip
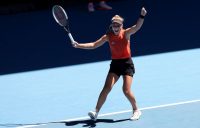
{"x": 71, "y": 38}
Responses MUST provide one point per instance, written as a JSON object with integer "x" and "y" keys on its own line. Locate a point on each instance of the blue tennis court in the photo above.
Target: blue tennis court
{"x": 166, "y": 87}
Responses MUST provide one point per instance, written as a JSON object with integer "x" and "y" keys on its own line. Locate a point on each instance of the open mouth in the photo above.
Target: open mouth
{"x": 116, "y": 30}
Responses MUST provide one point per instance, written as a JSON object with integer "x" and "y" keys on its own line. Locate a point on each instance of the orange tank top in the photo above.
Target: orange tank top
{"x": 119, "y": 45}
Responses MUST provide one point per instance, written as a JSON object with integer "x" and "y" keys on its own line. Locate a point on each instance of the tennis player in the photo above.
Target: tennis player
{"x": 121, "y": 64}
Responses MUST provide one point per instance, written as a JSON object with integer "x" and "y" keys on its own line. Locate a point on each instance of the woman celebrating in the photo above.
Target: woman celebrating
{"x": 121, "y": 64}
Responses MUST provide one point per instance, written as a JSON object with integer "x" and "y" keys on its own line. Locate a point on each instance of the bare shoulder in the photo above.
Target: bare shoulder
{"x": 104, "y": 38}
{"x": 131, "y": 30}
{"x": 128, "y": 33}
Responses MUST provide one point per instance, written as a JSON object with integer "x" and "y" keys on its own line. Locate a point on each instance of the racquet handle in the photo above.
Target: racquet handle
{"x": 71, "y": 38}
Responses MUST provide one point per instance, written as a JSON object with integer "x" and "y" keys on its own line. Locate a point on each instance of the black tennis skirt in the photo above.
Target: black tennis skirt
{"x": 122, "y": 67}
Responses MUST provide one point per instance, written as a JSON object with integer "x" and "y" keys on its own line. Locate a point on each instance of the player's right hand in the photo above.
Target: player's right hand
{"x": 75, "y": 44}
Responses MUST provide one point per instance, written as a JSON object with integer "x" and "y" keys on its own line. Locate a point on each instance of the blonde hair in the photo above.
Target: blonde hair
{"x": 117, "y": 19}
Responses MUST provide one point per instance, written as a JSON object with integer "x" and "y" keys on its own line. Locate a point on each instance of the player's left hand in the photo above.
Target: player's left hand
{"x": 143, "y": 11}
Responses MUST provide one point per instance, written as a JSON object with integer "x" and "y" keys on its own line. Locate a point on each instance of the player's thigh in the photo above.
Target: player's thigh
{"x": 127, "y": 82}
{"x": 111, "y": 79}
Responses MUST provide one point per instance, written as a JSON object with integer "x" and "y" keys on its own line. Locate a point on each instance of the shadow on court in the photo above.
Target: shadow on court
{"x": 91, "y": 123}
{"x": 81, "y": 123}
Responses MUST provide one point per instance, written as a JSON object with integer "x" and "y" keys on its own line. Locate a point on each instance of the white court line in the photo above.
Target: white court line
{"x": 120, "y": 112}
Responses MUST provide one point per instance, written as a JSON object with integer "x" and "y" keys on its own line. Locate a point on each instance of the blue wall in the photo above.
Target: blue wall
{"x": 31, "y": 41}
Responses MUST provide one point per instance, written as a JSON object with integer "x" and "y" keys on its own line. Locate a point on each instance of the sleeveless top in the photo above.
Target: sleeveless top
{"x": 119, "y": 45}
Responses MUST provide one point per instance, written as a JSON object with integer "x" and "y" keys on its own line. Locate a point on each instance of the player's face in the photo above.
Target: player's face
{"x": 116, "y": 27}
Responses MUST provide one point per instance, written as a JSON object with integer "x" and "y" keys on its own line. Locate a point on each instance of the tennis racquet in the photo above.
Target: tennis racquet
{"x": 61, "y": 18}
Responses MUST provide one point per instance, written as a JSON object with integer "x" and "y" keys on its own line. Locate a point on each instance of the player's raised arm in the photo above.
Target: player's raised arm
{"x": 91, "y": 45}
{"x": 138, "y": 25}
